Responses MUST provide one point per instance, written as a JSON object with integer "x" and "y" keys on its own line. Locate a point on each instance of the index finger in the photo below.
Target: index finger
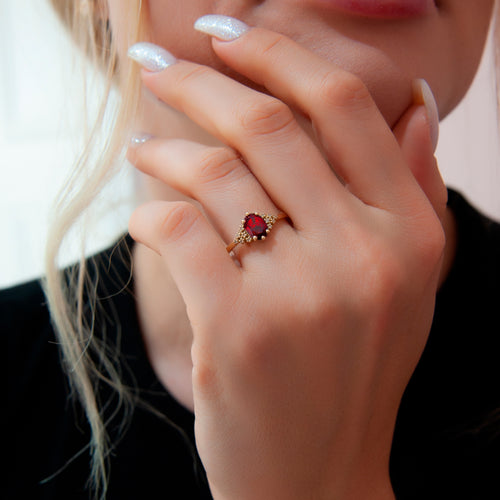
{"x": 284, "y": 159}
{"x": 358, "y": 142}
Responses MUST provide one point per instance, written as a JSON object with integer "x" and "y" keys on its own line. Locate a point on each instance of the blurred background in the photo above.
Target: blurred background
{"x": 40, "y": 136}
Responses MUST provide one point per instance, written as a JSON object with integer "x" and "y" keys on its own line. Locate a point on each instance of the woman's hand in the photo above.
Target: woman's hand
{"x": 301, "y": 354}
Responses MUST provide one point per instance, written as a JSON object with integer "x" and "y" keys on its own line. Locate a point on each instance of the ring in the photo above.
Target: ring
{"x": 255, "y": 227}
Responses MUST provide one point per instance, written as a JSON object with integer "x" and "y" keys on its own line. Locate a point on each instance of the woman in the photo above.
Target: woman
{"x": 300, "y": 359}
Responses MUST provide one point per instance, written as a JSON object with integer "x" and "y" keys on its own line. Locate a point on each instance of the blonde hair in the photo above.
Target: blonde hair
{"x": 496, "y": 43}
{"x": 69, "y": 292}
{"x": 85, "y": 360}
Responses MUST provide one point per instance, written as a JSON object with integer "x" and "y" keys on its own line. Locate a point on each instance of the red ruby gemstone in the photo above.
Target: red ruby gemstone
{"x": 255, "y": 225}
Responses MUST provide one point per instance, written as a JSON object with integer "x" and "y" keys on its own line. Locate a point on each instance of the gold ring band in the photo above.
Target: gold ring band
{"x": 255, "y": 227}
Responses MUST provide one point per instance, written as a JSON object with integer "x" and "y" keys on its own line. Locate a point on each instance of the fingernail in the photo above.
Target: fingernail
{"x": 151, "y": 57}
{"x": 422, "y": 94}
{"x": 138, "y": 139}
{"x": 221, "y": 27}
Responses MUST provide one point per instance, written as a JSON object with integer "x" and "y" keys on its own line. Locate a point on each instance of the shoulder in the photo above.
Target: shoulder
{"x": 42, "y": 417}
{"x": 26, "y": 329}
{"x": 446, "y": 439}
{"x": 25, "y": 319}
{"x": 474, "y": 281}
{"x": 464, "y": 343}
{"x": 477, "y": 234}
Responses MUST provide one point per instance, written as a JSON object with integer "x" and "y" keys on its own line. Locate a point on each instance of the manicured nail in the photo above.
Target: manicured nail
{"x": 422, "y": 94}
{"x": 222, "y": 27}
{"x": 138, "y": 139}
{"x": 151, "y": 57}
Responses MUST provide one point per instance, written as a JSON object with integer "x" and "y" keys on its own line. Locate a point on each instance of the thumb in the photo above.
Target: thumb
{"x": 417, "y": 135}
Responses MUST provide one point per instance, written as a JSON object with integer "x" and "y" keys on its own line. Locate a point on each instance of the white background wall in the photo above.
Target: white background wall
{"x": 39, "y": 133}
{"x": 40, "y": 95}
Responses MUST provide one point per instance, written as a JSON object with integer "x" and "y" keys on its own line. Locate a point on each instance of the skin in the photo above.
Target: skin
{"x": 309, "y": 343}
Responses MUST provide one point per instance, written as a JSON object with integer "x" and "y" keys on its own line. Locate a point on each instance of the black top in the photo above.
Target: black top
{"x": 447, "y": 439}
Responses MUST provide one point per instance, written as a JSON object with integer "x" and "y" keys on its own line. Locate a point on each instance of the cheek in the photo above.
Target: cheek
{"x": 170, "y": 24}
{"x": 444, "y": 50}
{"x": 449, "y": 55}
{"x": 466, "y": 35}
{"x": 388, "y": 82}
{"x": 389, "y": 85}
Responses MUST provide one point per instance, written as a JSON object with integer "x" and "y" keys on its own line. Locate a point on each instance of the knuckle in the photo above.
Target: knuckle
{"x": 343, "y": 90}
{"x": 431, "y": 245}
{"x": 203, "y": 376}
{"x": 273, "y": 46}
{"x": 259, "y": 342}
{"x": 219, "y": 164}
{"x": 319, "y": 310}
{"x": 387, "y": 277}
{"x": 204, "y": 372}
{"x": 268, "y": 116}
{"x": 259, "y": 347}
{"x": 382, "y": 274}
{"x": 179, "y": 221}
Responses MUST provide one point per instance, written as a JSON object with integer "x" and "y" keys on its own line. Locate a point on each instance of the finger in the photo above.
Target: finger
{"x": 261, "y": 128}
{"x": 214, "y": 176}
{"x": 194, "y": 253}
{"x": 416, "y": 133}
{"x": 355, "y": 136}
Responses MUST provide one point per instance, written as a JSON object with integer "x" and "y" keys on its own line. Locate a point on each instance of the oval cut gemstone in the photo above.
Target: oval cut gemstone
{"x": 255, "y": 225}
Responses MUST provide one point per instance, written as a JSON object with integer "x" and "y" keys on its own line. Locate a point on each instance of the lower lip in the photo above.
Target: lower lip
{"x": 387, "y": 9}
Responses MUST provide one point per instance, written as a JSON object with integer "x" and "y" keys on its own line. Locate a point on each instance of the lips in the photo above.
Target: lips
{"x": 388, "y": 9}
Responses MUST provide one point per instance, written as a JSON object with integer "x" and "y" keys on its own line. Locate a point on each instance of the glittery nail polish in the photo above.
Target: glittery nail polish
{"x": 221, "y": 27}
{"x": 141, "y": 138}
{"x": 151, "y": 57}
